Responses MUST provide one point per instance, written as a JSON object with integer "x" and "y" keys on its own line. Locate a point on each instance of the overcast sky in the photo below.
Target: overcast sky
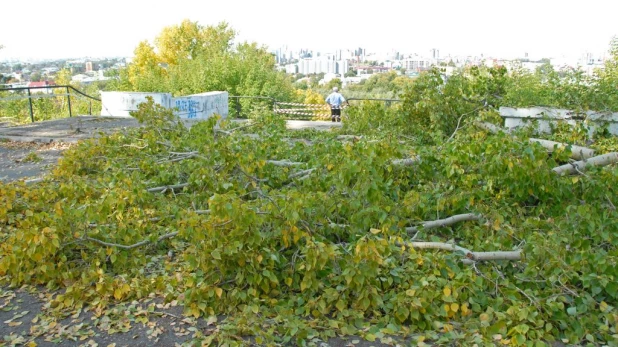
{"x": 39, "y": 29}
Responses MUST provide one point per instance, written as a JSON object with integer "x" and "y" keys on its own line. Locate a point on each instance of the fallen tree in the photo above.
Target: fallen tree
{"x": 580, "y": 166}
{"x": 444, "y": 222}
{"x": 577, "y": 152}
{"x": 470, "y": 257}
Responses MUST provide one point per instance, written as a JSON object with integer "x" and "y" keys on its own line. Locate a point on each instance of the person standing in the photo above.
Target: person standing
{"x": 335, "y": 100}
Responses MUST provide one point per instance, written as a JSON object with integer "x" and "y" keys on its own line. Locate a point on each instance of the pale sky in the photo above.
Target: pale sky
{"x": 38, "y": 29}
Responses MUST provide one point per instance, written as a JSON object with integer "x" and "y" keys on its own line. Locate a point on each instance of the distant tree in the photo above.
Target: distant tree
{"x": 302, "y": 85}
{"x": 351, "y": 73}
{"x": 191, "y": 58}
{"x": 35, "y": 76}
{"x": 335, "y": 82}
{"x": 111, "y": 73}
{"x": 315, "y": 79}
{"x": 63, "y": 77}
{"x": 613, "y": 47}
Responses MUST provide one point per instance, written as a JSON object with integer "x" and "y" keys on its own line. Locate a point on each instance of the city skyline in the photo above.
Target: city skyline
{"x": 539, "y": 28}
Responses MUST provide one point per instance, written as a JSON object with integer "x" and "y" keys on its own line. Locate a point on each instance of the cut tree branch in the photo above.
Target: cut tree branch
{"x": 470, "y": 256}
{"x": 577, "y": 152}
{"x": 444, "y": 222}
{"x": 135, "y": 245}
{"x": 284, "y": 163}
{"x": 494, "y": 129}
{"x": 164, "y": 188}
{"x": 579, "y": 166}
{"x": 406, "y": 161}
{"x": 349, "y": 137}
{"x": 302, "y": 173}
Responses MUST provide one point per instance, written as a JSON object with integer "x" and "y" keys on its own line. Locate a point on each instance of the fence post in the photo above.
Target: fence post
{"x": 90, "y": 107}
{"x": 30, "y": 104}
{"x": 237, "y": 104}
{"x": 69, "y": 99}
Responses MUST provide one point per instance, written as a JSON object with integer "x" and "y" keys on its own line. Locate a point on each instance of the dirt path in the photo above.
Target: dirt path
{"x": 26, "y": 321}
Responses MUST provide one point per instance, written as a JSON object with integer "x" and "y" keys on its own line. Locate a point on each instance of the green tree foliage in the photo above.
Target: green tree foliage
{"x": 190, "y": 58}
{"x": 335, "y": 82}
{"x": 382, "y": 85}
{"x": 290, "y": 254}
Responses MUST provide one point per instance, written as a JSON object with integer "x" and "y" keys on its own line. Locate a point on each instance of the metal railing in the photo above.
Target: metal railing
{"x": 30, "y": 96}
{"x": 305, "y": 110}
{"x": 387, "y": 102}
{"x": 294, "y": 110}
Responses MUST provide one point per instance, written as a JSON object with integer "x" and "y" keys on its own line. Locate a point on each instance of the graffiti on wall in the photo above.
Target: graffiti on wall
{"x": 188, "y": 107}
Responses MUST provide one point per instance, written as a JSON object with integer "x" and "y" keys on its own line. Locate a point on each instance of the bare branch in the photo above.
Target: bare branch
{"x": 577, "y": 152}
{"x": 470, "y": 256}
{"x": 179, "y": 157}
{"x": 302, "y": 173}
{"x": 494, "y": 129}
{"x": 579, "y": 166}
{"x": 406, "y": 161}
{"x": 444, "y": 222}
{"x": 284, "y": 163}
{"x": 164, "y": 188}
{"x": 610, "y": 203}
{"x": 349, "y": 137}
{"x": 135, "y": 245}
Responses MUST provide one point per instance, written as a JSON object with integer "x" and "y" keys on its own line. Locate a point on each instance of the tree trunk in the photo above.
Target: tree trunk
{"x": 406, "y": 161}
{"x": 163, "y": 188}
{"x": 445, "y": 222}
{"x": 470, "y": 257}
{"x": 579, "y": 166}
{"x": 577, "y": 152}
{"x": 284, "y": 163}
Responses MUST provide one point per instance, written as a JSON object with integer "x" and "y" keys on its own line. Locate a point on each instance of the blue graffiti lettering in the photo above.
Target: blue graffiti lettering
{"x": 188, "y": 107}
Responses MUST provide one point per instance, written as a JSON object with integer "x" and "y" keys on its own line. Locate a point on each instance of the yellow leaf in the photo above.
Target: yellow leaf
{"x": 259, "y": 258}
{"x": 288, "y": 281}
{"x": 112, "y": 345}
{"x": 329, "y": 167}
{"x": 375, "y": 231}
{"x": 454, "y": 307}
{"x": 464, "y": 309}
{"x": 33, "y": 344}
{"x": 496, "y": 224}
{"x": 603, "y": 306}
{"x": 575, "y": 179}
{"x": 447, "y": 291}
{"x": 118, "y": 293}
{"x": 219, "y": 292}
{"x": 484, "y": 317}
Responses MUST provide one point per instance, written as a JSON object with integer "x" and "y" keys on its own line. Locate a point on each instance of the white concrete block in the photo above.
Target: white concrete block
{"x": 201, "y": 106}
{"x": 545, "y": 116}
{"x": 119, "y": 104}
